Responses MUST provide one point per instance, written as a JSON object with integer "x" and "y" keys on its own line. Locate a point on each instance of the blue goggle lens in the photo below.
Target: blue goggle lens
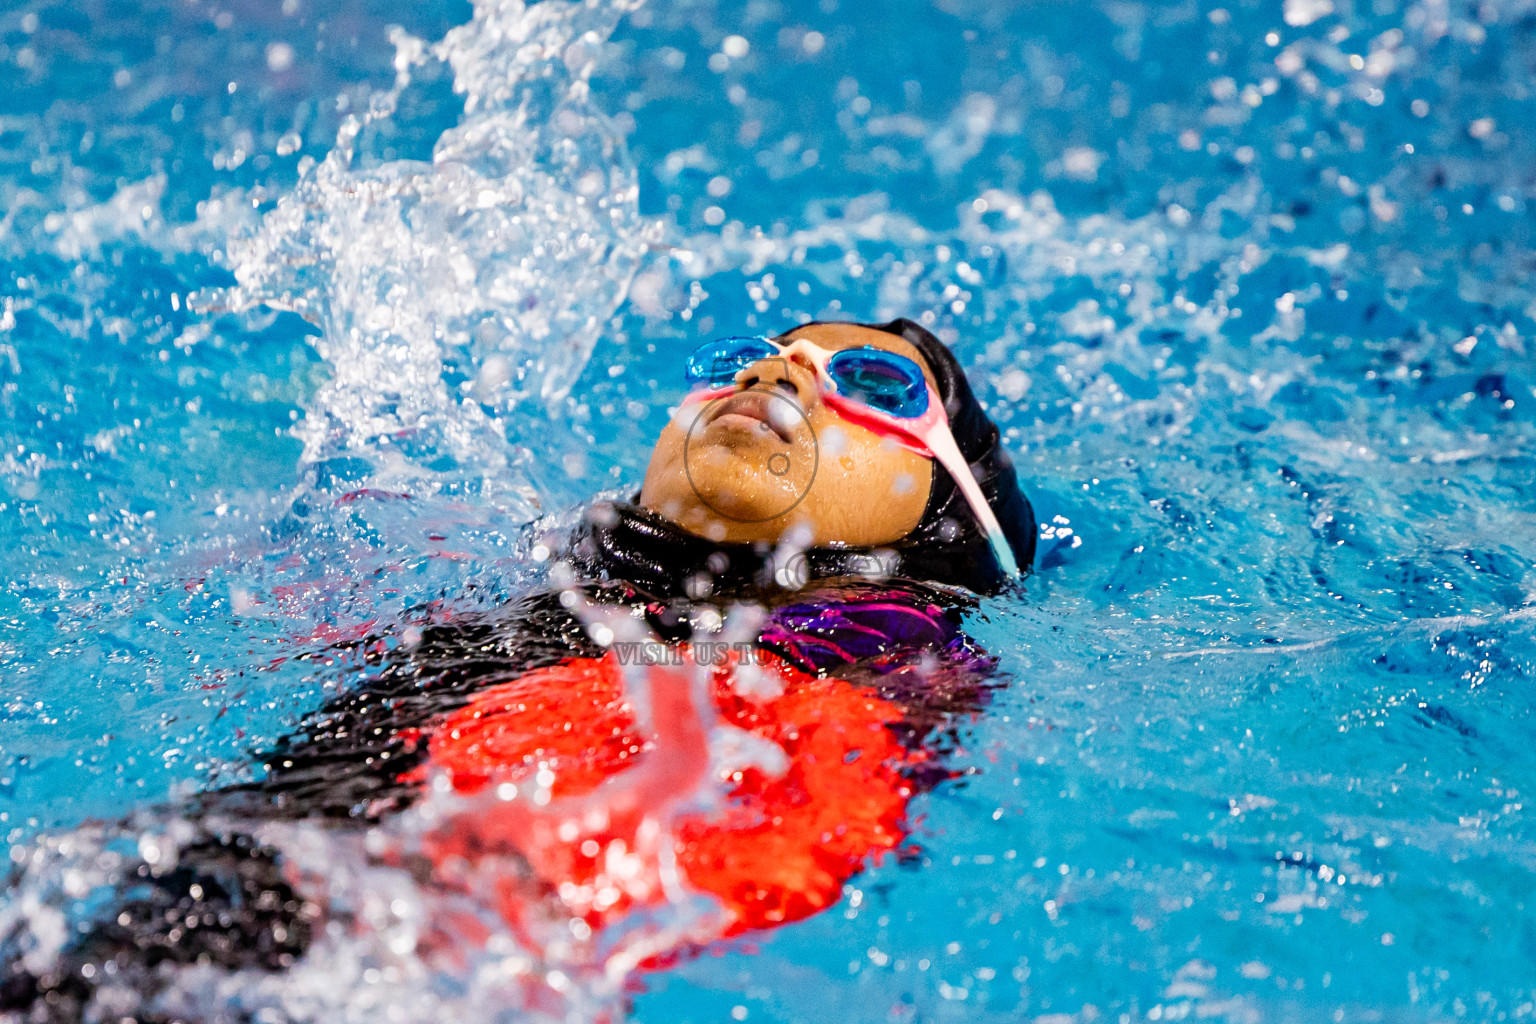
{"x": 882, "y": 380}
{"x": 717, "y": 363}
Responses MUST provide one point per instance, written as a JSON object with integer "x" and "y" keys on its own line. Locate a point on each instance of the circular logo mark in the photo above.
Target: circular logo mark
{"x": 793, "y": 471}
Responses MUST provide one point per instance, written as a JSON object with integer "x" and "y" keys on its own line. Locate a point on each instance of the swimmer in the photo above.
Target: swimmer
{"x": 858, "y": 439}
{"x": 841, "y": 478}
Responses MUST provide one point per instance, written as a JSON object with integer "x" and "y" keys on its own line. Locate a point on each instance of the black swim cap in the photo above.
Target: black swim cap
{"x": 622, "y": 541}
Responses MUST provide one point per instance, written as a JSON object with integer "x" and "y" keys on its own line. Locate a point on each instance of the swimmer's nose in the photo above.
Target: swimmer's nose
{"x": 790, "y": 373}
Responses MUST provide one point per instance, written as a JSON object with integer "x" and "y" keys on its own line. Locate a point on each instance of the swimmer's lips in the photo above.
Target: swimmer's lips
{"x": 751, "y": 412}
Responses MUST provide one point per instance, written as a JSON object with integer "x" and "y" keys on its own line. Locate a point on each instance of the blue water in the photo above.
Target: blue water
{"x": 1247, "y": 287}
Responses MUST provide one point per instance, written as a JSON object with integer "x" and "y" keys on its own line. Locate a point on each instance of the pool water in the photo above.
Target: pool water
{"x": 307, "y": 308}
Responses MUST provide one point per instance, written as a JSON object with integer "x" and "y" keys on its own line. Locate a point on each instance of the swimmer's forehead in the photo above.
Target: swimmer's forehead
{"x": 835, "y": 337}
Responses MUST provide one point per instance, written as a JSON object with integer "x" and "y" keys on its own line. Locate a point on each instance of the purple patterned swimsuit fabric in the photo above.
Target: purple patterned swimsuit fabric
{"x": 878, "y": 628}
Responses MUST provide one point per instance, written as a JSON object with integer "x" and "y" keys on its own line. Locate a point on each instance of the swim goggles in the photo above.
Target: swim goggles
{"x": 879, "y": 390}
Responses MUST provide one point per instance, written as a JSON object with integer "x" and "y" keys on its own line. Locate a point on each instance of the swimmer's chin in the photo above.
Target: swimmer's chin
{"x": 744, "y": 519}
{"x": 734, "y": 503}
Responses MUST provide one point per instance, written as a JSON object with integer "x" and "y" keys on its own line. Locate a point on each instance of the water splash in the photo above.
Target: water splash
{"x": 450, "y": 294}
{"x": 464, "y": 906}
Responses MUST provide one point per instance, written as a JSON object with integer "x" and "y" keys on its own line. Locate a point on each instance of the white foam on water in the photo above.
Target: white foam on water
{"x": 458, "y": 300}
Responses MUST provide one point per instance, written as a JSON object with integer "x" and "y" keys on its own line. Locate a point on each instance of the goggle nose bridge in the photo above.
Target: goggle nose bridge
{"x": 817, "y": 356}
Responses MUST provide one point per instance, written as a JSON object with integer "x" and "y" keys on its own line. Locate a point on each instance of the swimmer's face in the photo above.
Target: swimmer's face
{"x": 772, "y": 459}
